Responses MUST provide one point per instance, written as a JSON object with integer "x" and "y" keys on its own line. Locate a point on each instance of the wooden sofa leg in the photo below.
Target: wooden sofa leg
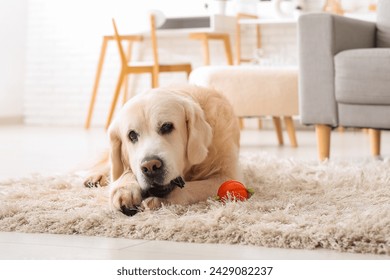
{"x": 278, "y": 129}
{"x": 375, "y": 141}
{"x": 323, "y": 141}
{"x": 288, "y": 121}
{"x": 241, "y": 122}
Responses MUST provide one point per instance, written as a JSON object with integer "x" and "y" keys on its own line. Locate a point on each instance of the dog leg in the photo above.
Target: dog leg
{"x": 153, "y": 202}
{"x": 98, "y": 174}
{"x": 126, "y": 194}
{"x": 192, "y": 192}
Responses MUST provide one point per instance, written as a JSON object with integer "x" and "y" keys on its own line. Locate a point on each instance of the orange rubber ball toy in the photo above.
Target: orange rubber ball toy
{"x": 233, "y": 190}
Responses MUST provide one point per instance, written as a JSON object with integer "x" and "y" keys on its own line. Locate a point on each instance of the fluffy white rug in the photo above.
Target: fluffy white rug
{"x": 343, "y": 206}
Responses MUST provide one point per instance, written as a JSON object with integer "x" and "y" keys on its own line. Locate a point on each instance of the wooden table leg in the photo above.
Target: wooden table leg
{"x": 206, "y": 52}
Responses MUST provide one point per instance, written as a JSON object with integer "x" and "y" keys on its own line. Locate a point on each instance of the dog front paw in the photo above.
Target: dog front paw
{"x": 126, "y": 199}
{"x": 153, "y": 202}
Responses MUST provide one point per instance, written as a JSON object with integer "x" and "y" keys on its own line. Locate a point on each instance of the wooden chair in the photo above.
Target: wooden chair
{"x": 131, "y": 39}
{"x": 154, "y": 67}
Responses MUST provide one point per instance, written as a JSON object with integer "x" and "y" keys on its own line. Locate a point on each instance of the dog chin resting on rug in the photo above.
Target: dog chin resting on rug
{"x": 169, "y": 146}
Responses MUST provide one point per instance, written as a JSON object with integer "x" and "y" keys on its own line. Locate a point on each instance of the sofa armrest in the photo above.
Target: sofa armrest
{"x": 320, "y": 38}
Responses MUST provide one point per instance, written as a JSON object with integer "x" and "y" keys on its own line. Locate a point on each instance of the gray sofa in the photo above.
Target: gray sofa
{"x": 344, "y": 74}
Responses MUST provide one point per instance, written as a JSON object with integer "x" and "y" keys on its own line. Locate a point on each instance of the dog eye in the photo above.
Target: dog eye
{"x": 166, "y": 128}
{"x": 133, "y": 136}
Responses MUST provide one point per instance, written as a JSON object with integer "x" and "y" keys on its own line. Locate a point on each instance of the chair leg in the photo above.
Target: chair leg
{"x": 291, "y": 131}
{"x": 375, "y": 141}
{"x": 228, "y": 50}
{"x": 122, "y": 76}
{"x": 125, "y": 90}
{"x": 323, "y": 132}
{"x": 96, "y": 84}
{"x": 155, "y": 80}
{"x": 278, "y": 128}
{"x": 126, "y": 87}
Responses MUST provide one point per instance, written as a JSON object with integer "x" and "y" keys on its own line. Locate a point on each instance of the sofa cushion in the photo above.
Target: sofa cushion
{"x": 253, "y": 90}
{"x": 362, "y": 76}
{"x": 383, "y": 24}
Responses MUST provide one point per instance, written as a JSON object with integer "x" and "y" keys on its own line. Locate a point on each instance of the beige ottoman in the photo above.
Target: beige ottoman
{"x": 256, "y": 91}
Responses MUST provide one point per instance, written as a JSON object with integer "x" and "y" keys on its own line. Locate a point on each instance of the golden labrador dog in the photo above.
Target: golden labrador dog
{"x": 171, "y": 146}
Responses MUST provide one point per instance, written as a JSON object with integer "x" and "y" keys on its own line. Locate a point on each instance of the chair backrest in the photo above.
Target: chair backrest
{"x": 153, "y": 37}
{"x": 383, "y": 24}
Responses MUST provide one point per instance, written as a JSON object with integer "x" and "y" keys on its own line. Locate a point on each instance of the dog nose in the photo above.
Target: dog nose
{"x": 152, "y": 167}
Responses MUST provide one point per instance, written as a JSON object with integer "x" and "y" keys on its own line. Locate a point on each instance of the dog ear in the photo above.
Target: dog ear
{"x": 116, "y": 160}
{"x": 199, "y": 134}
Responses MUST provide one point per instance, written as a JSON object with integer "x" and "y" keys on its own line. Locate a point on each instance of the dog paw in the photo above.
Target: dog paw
{"x": 126, "y": 199}
{"x": 153, "y": 202}
{"x": 96, "y": 180}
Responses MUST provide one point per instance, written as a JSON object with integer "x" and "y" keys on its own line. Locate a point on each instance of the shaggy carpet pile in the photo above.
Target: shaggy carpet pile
{"x": 339, "y": 205}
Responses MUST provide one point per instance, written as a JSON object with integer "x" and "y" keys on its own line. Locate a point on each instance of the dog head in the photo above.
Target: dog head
{"x": 158, "y": 135}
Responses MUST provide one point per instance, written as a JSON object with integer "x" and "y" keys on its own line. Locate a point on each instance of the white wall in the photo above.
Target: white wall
{"x": 49, "y": 52}
{"x": 13, "y": 23}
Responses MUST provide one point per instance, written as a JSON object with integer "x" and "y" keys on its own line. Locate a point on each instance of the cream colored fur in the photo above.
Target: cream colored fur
{"x": 202, "y": 148}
